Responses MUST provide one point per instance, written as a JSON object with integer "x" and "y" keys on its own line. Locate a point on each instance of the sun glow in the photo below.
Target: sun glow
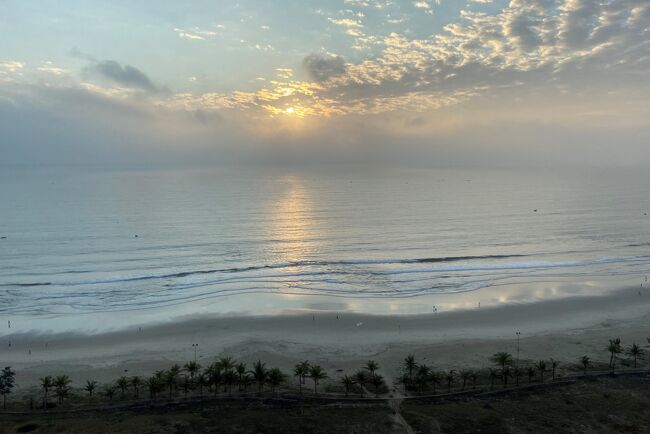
{"x": 290, "y": 110}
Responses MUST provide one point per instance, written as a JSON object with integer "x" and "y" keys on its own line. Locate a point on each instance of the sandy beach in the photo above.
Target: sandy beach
{"x": 564, "y": 329}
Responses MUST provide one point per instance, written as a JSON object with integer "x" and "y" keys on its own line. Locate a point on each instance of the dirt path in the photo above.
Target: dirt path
{"x": 396, "y": 405}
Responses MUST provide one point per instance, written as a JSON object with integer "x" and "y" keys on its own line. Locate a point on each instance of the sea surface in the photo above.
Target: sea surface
{"x": 141, "y": 245}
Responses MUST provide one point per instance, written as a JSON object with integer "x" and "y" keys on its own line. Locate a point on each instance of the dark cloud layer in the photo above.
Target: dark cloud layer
{"x": 125, "y": 75}
{"x": 321, "y": 68}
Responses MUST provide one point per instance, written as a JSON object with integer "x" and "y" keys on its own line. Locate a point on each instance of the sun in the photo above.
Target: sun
{"x": 290, "y": 110}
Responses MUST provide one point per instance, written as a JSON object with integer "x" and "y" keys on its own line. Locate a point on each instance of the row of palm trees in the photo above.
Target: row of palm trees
{"x": 363, "y": 377}
{"x": 225, "y": 373}
{"x": 421, "y": 378}
{"x": 60, "y": 385}
{"x": 615, "y": 348}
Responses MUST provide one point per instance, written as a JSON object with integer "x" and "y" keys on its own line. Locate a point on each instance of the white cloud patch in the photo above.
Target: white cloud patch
{"x": 195, "y": 34}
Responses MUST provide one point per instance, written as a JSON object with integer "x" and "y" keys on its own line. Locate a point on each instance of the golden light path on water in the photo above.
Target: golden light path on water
{"x": 296, "y": 236}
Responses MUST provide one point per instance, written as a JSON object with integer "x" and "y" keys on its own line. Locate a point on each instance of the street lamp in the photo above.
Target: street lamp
{"x": 518, "y": 335}
{"x": 195, "y": 346}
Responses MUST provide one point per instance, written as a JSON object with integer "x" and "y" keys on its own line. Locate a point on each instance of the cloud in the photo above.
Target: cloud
{"x": 549, "y": 79}
{"x": 346, "y": 22}
{"x": 194, "y": 34}
{"x": 321, "y": 68}
{"x": 125, "y": 75}
{"x": 425, "y": 5}
{"x": 10, "y": 70}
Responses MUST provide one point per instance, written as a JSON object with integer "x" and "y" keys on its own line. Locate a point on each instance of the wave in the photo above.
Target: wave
{"x": 467, "y": 258}
{"x": 293, "y": 269}
{"x": 293, "y": 264}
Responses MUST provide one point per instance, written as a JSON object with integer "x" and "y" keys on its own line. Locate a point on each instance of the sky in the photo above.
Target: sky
{"x": 405, "y": 82}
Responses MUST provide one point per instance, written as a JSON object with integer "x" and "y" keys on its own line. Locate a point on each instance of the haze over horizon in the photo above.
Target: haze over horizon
{"x": 431, "y": 82}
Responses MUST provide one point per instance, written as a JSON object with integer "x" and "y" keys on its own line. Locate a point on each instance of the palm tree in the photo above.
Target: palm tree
{"x": 361, "y": 377}
{"x": 202, "y": 381}
{"x": 317, "y": 374}
{"x": 585, "y": 361}
{"x": 465, "y": 375}
{"x": 450, "y": 377}
{"x": 347, "y": 382}
{"x": 377, "y": 381}
{"x": 90, "y": 387}
{"x": 299, "y": 371}
{"x": 493, "y": 374}
{"x": 187, "y": 382}
{"x": 226, "y": 363}
{"x": 554, "y": 365}
{"x": 246, "y": 381}
{"x": 305, "y": 369}
{"x": 109, "y": 391}
{"x": 422, "y": 377}
{"x": 530, "y": 371}
{"x": 276, "y": 377}
{"x": 229, "y": 378}
{"x": 62, "y": 384}
{"x": 372, "y": 367}
{"x": 171, "y": 377}
{"x": 636, "y": 352}
{"x": 541, "y": 367}
{"x": 213, "y": 372}
{"x": 136, "y": 382}
{"x": 153, "y": 383}
{"x": 46, "y": 384}
{"x": 192, "y": 368}
{"x": 123, "y": 384}
{"x": 410, "y": 364}
{"x": 505, "y": 374}
{"x": 435, "y": 378}
{"x": 502, "y": 359}
{"x": 516, "y": 373}
{"x": 260, "y": 375}
{"x": 7, "y": 383}
{"x": 614, "y": 348}
{"x": 241, "y": 371}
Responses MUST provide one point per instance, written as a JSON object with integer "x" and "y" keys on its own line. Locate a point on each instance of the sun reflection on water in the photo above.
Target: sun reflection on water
{"x": 292, "y": 226}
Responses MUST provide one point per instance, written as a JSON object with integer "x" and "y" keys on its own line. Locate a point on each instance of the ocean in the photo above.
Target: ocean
{"x": 103, "y": 248}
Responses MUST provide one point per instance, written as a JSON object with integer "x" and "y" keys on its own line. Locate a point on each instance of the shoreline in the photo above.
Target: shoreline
{"x": 563, "y": 329}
